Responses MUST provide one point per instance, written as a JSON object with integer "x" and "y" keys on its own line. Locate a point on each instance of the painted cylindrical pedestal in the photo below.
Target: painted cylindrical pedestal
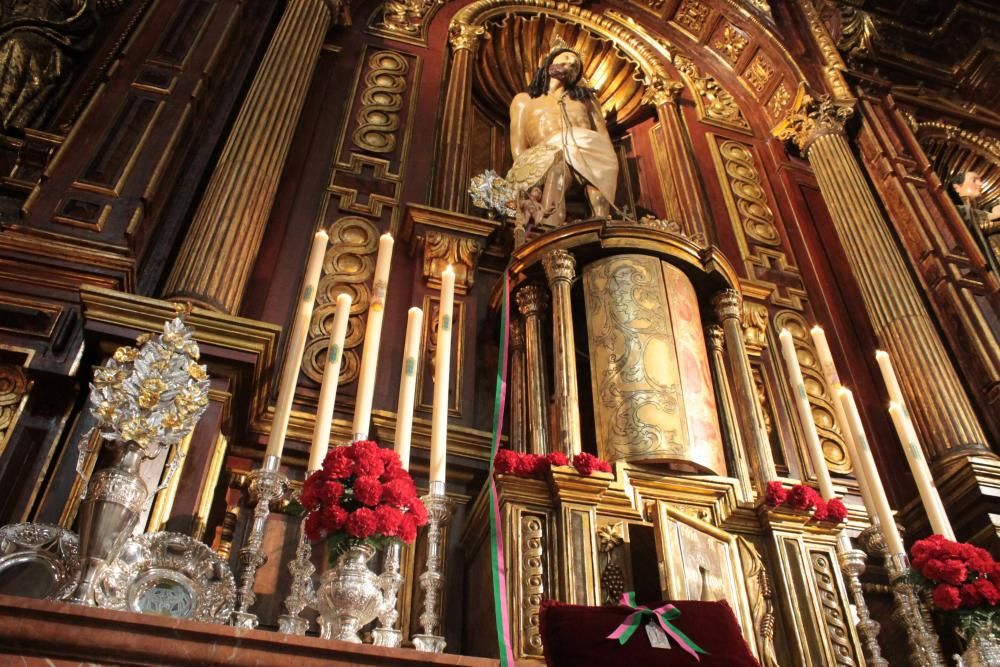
{"x": 652, "y": 387}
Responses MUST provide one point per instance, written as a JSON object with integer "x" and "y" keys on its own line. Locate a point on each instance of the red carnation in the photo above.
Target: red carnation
{"x": 946, "y": 597}
{"x": 367, "y": 491}
{"x": 368, "y": 463}
{"x": 400, "y": 492}
{"x": 418, "y": 512}
{"x": 953, "y": 572}
{"x": 969, "y": 596}
{"x": 586, "y": 464}
{"x": 364, "y": 448}
{"x": 802, "y": 497}
{"x": 311, "y": 495}
{"x": 988, "y": 591}
{"x": 506, "y": 461}
{"x": 387, "y": 520}
{"x": 836, "y": 510}
{"x": 338, "y": 463}
{"x": 314, "y": 527}
{"x": 361, "y": 523}
{"x": 407, "y": 528}
{"x": 602, "y": 466}
{"x": 529, "y": 465}
{"x": 558, "y": 459}
{"x": 390, "y": 459}
{"x": 334, "y": 518}
{"x": 332, "y": 492}
{"x": 776, "y": 494}
{"x": 822, "y": 511}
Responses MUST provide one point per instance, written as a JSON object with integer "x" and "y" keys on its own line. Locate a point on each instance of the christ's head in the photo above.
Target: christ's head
{"x": 565, "y": 66}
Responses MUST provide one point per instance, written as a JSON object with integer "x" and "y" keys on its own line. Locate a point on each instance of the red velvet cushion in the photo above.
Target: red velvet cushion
{"x": 576, "y": 636}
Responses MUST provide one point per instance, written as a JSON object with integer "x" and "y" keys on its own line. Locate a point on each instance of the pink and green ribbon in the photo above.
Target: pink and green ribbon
{"x": 663, "y": 615}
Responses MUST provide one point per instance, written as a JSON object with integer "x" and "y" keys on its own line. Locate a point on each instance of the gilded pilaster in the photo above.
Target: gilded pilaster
{"x": 728, "y": 307}
{"x": 560, "y": 269}
{"x": 685, "y": 195}
{"x": 518, "y": 387}
{"x": 531, "y": 301}
{"x": 452, "y": 154}
{"x": 219, "y": 250}
{"x": 736, "y": 449}
{"x": 940, "y": 408}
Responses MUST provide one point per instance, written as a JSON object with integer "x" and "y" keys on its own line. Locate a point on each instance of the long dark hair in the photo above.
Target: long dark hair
{"x": 540, "y": 84}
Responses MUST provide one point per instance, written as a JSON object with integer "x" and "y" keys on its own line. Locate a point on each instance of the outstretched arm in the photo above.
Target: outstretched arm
{"x": 518, "y": 143}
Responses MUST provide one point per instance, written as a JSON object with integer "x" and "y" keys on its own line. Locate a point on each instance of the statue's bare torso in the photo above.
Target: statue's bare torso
{"x": 542, "y": 117}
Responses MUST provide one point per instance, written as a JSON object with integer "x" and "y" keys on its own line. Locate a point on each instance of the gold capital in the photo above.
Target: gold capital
{"x": 811, "y": 119}
{"x": 463, "y": 35}
{"x": 661, "y": 91}
{"x": 728, "y": 304}
{"x": 531, "y": 300}
{"x": 559, "y": 266}
{"x": 716, "y": 338}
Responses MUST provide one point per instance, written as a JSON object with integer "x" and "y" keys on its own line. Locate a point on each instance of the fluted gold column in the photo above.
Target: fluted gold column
{"x": 456, "y": 123}
{"x": 685, "y": 200}
{"x": 560, "y": 269}
{"x": 728, "y": 306}
{"x": 518, "y": 388}
{"x": 737, "y": 456}
{"x": 222, "y": 243}
{"x": 531, "y": 301}
{"x": 940, "y": 409}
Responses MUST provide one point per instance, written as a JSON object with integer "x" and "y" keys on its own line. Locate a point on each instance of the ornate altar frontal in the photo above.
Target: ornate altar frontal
{"x": 414, "y": 332}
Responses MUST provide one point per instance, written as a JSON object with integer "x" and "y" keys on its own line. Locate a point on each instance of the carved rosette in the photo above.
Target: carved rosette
{"x": 532, "y": 582}
{"x": 813, "y": 119}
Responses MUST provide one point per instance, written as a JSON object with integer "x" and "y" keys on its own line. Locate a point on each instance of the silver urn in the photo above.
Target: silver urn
{"x": 349, "y": 596}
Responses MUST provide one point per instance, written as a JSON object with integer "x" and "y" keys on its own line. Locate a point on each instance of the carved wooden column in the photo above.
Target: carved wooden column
{"x": 736, "y": 450}
{"x": 518, "y": 388}
{"x": 220, "y": 248}
{"x": 685, "y": 200}
{"x": 531, "y": 302}
{"x": 938, "y": 404}
{"x": 456, "y": 123}
{"x": 560, "y": 269}
{"x": 728, "y": 306}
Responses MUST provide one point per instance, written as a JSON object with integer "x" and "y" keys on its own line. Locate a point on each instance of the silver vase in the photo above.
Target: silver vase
{"x": 115, "y": 498}
{"x": 982, "y": 650}
{"x": 349, "y": 595}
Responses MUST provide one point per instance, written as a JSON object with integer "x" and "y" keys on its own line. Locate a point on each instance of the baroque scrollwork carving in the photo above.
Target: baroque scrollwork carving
{"x": 406, "y": 18}
{"x": 715, "y": 104}
{"x": 348, "y": 266}
{"x": 754, "y": 323}
{"x": 833, "y": 613}
{"x": 820, "y": 398}
{"x": 532, "y": 581}
{"x": 761, "y": 600}
{"x": 443, "y": 250}
{"x": 14, "y": 386}
{"x": 754, "y": 212}
{"x": 463, "y": 35}
{"x": 41, "y": 43}
{"x": 381, "y": 102}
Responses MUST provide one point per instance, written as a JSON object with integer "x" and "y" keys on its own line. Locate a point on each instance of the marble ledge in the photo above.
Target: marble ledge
{"x": 37, "y": 632}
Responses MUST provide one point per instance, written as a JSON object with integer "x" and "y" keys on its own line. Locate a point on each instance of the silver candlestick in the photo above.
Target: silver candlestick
{"x": 925, "y": 645}
{"x": 266, "y": 486}
{"x": 387, "y": 634}
{"x": 852, "y": 565}
{"x": 302, "y": 593}
{"x": 432, "y": 580}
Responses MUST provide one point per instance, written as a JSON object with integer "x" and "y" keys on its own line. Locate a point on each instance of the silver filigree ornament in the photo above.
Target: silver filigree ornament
{"x": 169, "y": 574}
{"x": 151, "y": 395}
{"x": 491, "y": 192}
{"x": 38, "y": 560}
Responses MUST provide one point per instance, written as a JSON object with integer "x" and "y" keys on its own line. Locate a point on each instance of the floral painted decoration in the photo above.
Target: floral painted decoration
{"x": 362, "y": 493}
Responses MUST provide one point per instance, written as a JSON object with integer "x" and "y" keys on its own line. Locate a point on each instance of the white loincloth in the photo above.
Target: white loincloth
{"x": 589, "y": 153}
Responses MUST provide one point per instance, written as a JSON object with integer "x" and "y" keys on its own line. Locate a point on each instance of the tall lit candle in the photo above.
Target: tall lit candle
{"x": 296, "y": 346}
{"x": 408, "y": 385}
{"x": 889, "y": 376}
{"x": 331, "y": 378}
{"x": 833, "y": 382}
{"x": 929, "y": 495}
{"x": 805, "y": 415}
{"x": 882, "y": 510}
{"x": 373, "y": 335}
{"x": 442, "y": 375}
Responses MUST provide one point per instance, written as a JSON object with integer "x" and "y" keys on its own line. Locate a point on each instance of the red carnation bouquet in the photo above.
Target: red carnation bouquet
{"x": 523, "y": 464}
{"x": 803, "y": 497}
{"x": 964, "y": 581}
{"x": 362, "y": 493}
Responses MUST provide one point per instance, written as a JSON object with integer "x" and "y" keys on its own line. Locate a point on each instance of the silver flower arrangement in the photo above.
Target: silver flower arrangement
{"x": 490, "y": 191}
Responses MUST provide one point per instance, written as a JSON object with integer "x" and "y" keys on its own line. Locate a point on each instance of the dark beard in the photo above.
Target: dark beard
{"x": 563, "y": 74}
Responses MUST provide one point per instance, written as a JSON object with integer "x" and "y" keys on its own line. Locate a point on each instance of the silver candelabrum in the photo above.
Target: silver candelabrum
{"x": 925, "y": 645}
{"x": 439, "y": 510}
{"x": 302, "y": 593}
{"x": 852, "y": 565}
{"x": 266, "y": 486}
{"x": 387, "y": 634}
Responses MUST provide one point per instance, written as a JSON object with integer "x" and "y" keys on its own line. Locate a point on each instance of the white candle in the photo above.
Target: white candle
{"x": 921, "y": 472}
{"x": 805, "y": 415}
{"x": 889, "y": 376}
{"x": 833, "y": 383}
{"x": 408, "y": 384}
{"x": 373, "y": 334}
{"x": 331, "y": 378}
{"x": 296, "y": 346}
{"x": 865, "y": 459}
{"x": 442, "y": 376}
